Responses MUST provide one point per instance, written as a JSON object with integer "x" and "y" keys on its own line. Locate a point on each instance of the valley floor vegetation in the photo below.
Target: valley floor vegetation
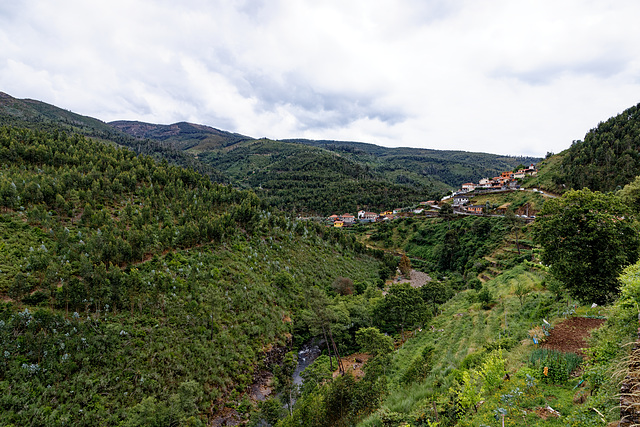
{"x": 139, "y": 293}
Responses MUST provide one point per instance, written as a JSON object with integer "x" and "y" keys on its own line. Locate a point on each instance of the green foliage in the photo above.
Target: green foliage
{"x": 315, "y": 375}
{"x": 149, "y": 280}
{"x": 403, "y": 307}
{"x": 341, "y": 402}
{"x": 492, "y": 371}
{"x": 552, "y": 366}
{"x": 420, "y": 367}
{"x": 608, "y": 157}
{"x": 456, "y": 246}
{"x": 587, "y": 238}
{"x": 373, "y": 342}
{"x": 468, "y": 391}
{"x": 313, "y": 181}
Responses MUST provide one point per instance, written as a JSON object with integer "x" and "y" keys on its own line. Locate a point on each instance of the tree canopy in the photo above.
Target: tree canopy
{"x": 587, "y": 239}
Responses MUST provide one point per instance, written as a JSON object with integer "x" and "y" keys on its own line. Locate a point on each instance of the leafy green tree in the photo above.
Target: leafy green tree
{"x": 587, "y": 239}
{"x": 630, "y": 195}
{"x": 372, "y": 341}
{"x": 403, "y": 306}
{"x": 521, "y": 290}
{"x": 435, "y": 292}
{"x": 284, "y": 384}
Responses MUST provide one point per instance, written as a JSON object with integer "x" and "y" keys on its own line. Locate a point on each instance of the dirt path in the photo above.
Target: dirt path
{"x": 570, "y": 335}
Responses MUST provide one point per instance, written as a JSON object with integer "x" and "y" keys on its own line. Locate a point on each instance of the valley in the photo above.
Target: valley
{"x": 170, "y": 274}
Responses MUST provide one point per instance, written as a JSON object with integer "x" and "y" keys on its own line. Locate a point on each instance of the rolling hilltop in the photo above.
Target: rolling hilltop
{"x": 320, "y": 177}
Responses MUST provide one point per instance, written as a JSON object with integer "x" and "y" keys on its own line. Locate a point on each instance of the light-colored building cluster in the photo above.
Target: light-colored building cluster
{"x": 506, "y": 181}
{"x": 346, "y": 220}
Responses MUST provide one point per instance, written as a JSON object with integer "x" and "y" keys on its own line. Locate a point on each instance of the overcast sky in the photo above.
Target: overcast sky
{"x": 510, "y": 77}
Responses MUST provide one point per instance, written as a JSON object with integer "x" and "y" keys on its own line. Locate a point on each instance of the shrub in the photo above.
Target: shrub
{"x": 552, "y": 366}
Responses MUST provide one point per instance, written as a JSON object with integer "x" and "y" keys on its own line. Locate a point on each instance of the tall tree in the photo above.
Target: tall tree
{"x": 403, "y": 306}
{"x": 587, "y": 239}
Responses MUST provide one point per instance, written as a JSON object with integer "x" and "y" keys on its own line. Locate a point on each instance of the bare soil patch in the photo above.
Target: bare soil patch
{"x": 570, "y": 335}
{"x": 354, "y": 364}
{"x": 416, "y": 279}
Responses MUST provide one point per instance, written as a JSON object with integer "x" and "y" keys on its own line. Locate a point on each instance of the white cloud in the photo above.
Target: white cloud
{"x": 508, "y": 77}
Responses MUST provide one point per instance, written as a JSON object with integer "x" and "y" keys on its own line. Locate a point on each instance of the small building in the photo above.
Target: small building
{"x": 507, "y": 175}
{"x": 369, "y": 215}
{"x": 460, "y": 200}
{"x": 348, "y": 219}
{"x": 475, "y": 209}
{"x": 469, "y": 186}
{"x": 338, "y": 224}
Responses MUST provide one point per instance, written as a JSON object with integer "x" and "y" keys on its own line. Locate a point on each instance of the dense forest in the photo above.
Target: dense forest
{"x": 36, "y": 115}
{"x": 142, "y": 293}
{"x": 137, "y": 291}
{"x": 311, "y": 181}
{"x": 609, "y": 156}
{"x": 298, "y": 176}
{"x": 401, "y": 164}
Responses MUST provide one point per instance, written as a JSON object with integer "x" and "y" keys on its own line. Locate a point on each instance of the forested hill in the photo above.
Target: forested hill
{"x": 182, "y": 136}
{"x": 37, "y": 115}
{"x": 314, "y": 181}
{"x": 609, "y": 156}
{"x": 298, "y": 176}
{"x": 405, "y": 163}
{"x": 138, "y": 293}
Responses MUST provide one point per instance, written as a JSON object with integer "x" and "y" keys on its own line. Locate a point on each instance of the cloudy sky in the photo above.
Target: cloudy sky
{"x": 511, "y": 77}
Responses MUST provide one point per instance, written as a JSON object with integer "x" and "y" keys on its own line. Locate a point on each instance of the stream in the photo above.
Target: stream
{"x": 306, "y": 356}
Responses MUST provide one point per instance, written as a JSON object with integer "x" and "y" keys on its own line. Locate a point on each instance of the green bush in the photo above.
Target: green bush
{"x": 553, "y": 367}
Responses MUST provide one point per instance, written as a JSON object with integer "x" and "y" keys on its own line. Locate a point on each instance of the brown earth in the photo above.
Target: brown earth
{"x": 570, "y": 335}
{"x": 354, "y": 364}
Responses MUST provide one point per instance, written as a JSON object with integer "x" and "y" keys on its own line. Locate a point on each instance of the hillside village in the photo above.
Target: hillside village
{"x": 506, "y": 182}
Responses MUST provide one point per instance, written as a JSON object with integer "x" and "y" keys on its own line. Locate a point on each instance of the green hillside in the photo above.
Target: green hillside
{"x": 181, "y": 136}
{"x": 137, "y": 293}
{"x": 37, "y": 115}
{"x": 608, "y": 158}
{"x": 404, "y": 165}
{"x": 313, "y": 181}
{"x": 300, "y": 176}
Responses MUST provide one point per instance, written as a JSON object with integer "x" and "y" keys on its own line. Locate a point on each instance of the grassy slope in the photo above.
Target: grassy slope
{"x": 463, "y": 328}
{"x": 548, "y": 175}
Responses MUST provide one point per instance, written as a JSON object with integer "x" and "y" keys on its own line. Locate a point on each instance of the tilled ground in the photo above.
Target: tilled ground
{"x": 570, "y": 335}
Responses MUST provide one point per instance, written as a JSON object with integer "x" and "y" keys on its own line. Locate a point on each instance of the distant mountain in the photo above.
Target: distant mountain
{"x": 37, "y": 115}
{"x": 311, "y": 180}
{"x": 404, "y": 163}
{"x": 32, "y": 114}
{"x": 320, "y": 177}
{"x": 182, "y": 136}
